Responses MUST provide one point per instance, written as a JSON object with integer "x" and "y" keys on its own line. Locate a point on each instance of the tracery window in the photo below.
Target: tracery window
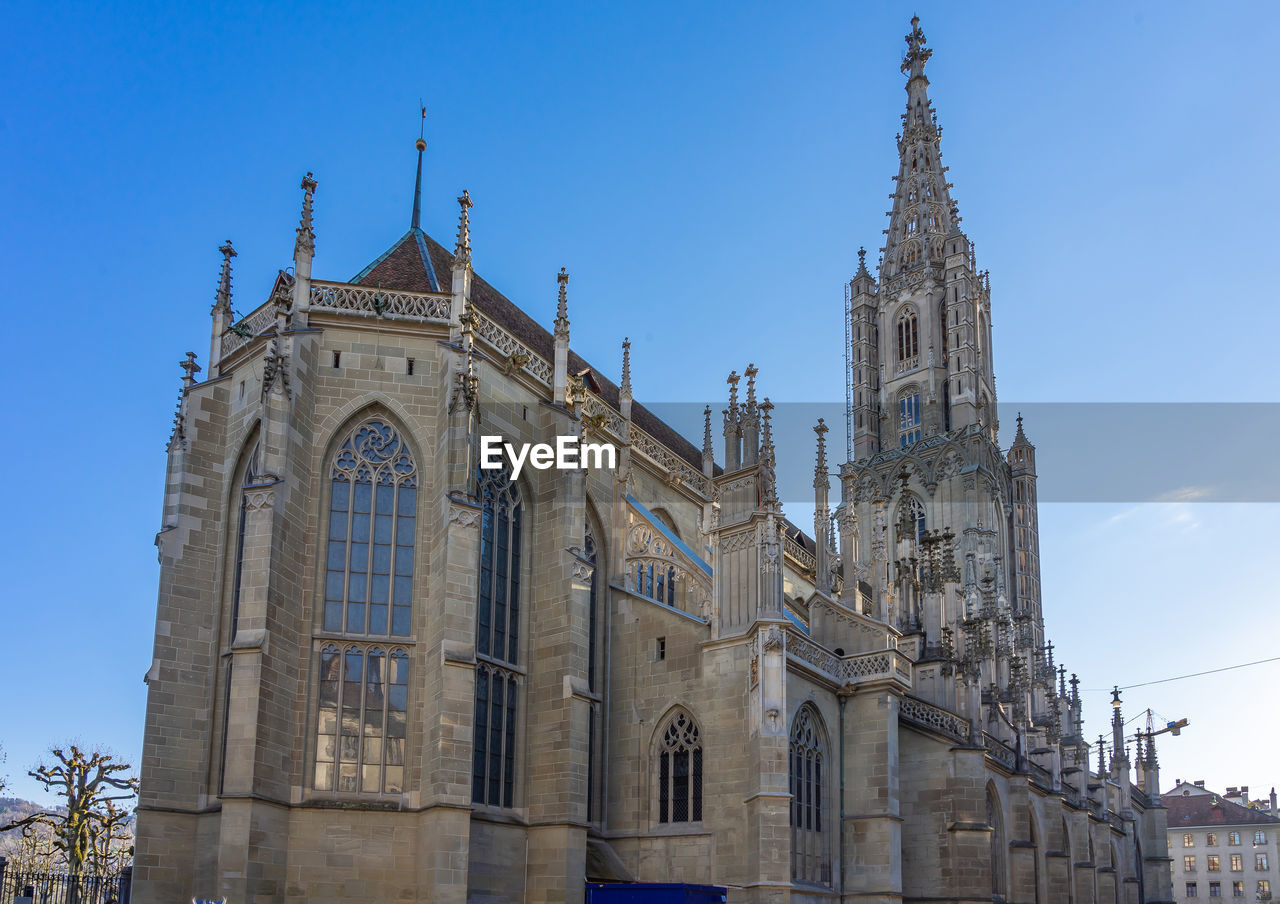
{"x": 360, "y": 730}
{"x": 810, "y": 816}
{"x": 679, "y": 769}
{"x": 497, "y": 641}
{"x": 909, "y": 419}
{"x": 908, "y": 340}
{"x": 372, "y": 516}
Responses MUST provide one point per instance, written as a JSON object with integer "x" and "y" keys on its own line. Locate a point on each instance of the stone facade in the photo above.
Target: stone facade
{"x": 383, "y": 673}
{"x": 1222, "y": 846}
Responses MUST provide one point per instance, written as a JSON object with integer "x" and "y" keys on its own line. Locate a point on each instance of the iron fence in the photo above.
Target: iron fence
{"x": 18, "y": 886}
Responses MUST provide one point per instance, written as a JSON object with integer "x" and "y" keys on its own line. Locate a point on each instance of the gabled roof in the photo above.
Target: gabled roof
{"x": 418, "y": 263}
{"x": 1193, "y": 810}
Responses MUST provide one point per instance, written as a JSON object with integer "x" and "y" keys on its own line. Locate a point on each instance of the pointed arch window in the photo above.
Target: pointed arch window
{"x": 911, "y": 519}
{"x": 361, "y": 726}
{"x": 372, "y": 520}
{"x": 679, "y": 782}
{"x": 908, "y": 340}
{"x": 594, "y": 748}
{"x": 999, "y": 885}
{"x": 908, "y": 418}
{"x": 493, "y": 773}
{"x": 810, "y": 815}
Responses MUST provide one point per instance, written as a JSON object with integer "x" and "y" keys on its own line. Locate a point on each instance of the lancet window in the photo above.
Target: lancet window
{"x": 908, "y": 340}
{"x": 361, "y": 725}
{"x": 372, "y": 517}
{"x": 810, "y": 813}
{"x": 679, "y": 783}
{"x": 493, "y": 774}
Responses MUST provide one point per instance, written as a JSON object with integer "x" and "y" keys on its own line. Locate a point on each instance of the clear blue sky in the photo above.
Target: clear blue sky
{"x": 707, "y": 173}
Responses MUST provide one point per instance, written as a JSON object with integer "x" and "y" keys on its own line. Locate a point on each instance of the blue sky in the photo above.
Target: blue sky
{"x": 706, "y": 172}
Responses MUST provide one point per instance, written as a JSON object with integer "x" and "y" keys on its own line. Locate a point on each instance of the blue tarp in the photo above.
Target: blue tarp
{"x": 654, "y": 893}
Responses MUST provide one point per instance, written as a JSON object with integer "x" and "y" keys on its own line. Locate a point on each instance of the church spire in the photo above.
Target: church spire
{"x": 923, "y": 213}
{"x": 417, "y": 186}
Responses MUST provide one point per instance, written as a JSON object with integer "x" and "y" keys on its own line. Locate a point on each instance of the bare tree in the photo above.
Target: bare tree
{"x": 90, "y": 785}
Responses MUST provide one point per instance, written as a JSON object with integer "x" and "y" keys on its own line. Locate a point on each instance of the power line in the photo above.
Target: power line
{"x": 1225, "y": 668}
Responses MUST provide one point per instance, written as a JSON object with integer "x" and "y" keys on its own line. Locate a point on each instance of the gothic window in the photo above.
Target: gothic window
{"x": 908, "y": 419}
{"x": 810, "y": 814}
{"x": 913, "y": 225}
{"x": 252, "y": 468}
{"x": 679, "y": 770}
{"x": 360, "y": 730}
{"x": 591, "y": 553}
{"x": 657, "y": 583}
{"x": 911, "y": 521}
{"x": 372, "y": 514}
{"x": 497, "y": 642}
{"x": 999, "y": 845}
{"x": 908, "y": 340}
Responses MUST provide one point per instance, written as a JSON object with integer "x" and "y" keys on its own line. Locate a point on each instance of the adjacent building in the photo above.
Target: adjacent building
{"x": 385, "y": 673}
{"x": 1219, "y": 848}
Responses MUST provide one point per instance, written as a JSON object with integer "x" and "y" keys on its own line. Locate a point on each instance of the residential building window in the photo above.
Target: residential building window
{"x": 1215, "y": 889}
{"x": 908, "y": 341}
{"x": 1264, "y": 890}
{"x": 1237, "y": 863}
{"x": 498, "y": 680}
{"x": 1237, "y": 889}
{"x": 1211, "y": 840}
{"x": 372, "y": 510}
{"x": 360, "y": 729}
{"x": 1189, "y": 863}
{"x": 1233, "y": 838}
{"x": 1260, "y": 862}
{"x": 909, "y": 419}
{"x": 810, "y": 819}
{"x": 679, "y": 770}
{"x": 1188, "y": 840}
{"x": 1259, "y": 837}
{"x": 1191, "y": 890}
{"x": 1213, "y": 863}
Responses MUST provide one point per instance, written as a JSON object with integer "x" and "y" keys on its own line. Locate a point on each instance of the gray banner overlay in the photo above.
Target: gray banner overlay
{"x": 1085, "y": 451}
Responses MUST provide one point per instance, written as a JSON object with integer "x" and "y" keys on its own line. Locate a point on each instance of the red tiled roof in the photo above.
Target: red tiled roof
{"x": 1210, "y": 810}
{"x": 403, "y": 268}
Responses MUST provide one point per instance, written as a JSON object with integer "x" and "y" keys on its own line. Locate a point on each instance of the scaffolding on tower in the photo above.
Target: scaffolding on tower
{"x": 848, "y": 371}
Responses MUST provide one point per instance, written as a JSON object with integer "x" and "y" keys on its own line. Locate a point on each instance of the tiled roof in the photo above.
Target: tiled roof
{"x": 406, "y": 266}
{"x": 1210, "y": 810}
{"x": 403, "y": 267}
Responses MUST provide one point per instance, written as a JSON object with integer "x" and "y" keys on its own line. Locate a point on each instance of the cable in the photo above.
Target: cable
{"x": 1225, "y": 668}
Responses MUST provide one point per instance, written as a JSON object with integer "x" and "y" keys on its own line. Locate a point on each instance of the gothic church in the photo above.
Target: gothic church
{"x": 382, "y": 673}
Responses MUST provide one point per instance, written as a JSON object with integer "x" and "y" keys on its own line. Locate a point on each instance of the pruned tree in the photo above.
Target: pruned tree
{"x": 91, "y": 786}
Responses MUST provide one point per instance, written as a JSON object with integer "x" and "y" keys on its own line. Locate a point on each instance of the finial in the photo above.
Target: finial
{"x": 421, "y": 145}
{"x": 306, "y": 241}
{"x": 917, "y": 53}
{"x": 223, "y": 298}
{"x": 707, "y": 448}
{"x": 862, "y": 262}
{"x": 732, "y": 380}
{"x": 750, "y": 374}
{"x": 766, "y": 429}
{"x": 462, "y": 247}
{"x": 626, "y": 365}
{"x": 821, "y": 429}
{"x": 189, "y": 369}
{"x": 562, "y": 304}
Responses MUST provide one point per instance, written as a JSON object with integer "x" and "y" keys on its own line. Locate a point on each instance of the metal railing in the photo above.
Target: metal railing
{"x": 63, "y": 888}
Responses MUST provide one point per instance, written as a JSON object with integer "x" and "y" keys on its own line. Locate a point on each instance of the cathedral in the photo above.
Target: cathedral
{"x": 390, "y": 668}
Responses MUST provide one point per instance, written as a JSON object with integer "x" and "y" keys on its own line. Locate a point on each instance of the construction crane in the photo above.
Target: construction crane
{"x": 1171, "y": 727}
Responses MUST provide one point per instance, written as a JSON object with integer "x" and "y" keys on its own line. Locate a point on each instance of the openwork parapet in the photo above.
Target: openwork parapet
{"x": 418, "y": 307}
{"x": 934, "y": 718}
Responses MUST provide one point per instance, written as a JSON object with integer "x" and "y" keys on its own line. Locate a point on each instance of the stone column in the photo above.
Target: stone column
{"x": 768, "y": 803}
{"x": 557, "y": 698}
